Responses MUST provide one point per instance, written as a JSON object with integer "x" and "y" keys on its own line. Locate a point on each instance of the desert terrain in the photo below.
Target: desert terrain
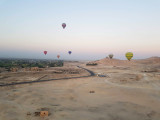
{"x": 119, "y": 90}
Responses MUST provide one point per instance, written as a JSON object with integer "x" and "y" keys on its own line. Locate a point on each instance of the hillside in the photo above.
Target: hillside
{"x": 117, "y": 62}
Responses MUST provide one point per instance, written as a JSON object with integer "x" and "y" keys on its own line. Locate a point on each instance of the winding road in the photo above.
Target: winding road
{"x": 36, "y": 81}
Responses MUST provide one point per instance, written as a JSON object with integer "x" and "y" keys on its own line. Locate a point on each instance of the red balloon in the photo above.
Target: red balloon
{"x": 63, "y": 25}
{"x": 45, "y": 52}
{"x": 58, "y": 56}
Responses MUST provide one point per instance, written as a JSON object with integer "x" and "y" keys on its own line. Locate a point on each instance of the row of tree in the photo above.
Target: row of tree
{"x": 9, "y": 63}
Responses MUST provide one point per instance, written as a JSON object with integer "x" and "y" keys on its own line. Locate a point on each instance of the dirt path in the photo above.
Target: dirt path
{"x": 41, "y": 80}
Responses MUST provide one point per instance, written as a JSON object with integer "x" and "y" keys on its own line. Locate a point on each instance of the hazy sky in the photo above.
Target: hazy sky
{"x": 94, "y": 29}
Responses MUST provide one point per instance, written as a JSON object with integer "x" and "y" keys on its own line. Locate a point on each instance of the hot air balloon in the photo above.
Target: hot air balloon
{"x": 58, "y": 56}
{"x": 63, "y": 25}
{"x": 129, "y": 55}
{"x": 69, "y": 52}
{"x": 45, "y": 52}
{"x": 110, "y": 56}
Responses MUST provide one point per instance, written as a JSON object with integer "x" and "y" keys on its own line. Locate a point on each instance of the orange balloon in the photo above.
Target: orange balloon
{"x": 58, "y": 56}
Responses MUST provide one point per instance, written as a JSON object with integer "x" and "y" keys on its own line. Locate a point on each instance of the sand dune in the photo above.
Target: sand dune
{"x": 117, "y": 62}
{"x": 114, "y": 62}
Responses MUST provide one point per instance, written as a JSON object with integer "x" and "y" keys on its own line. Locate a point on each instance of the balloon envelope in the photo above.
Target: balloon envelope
{"x": 63, "y": 25}
{"x": 58, "y": 56}
{"x": 129, "y": 55}
{"x": 45, "y": 52}
{"x": 69, "y": 52}
{"x": 110, "y": 56}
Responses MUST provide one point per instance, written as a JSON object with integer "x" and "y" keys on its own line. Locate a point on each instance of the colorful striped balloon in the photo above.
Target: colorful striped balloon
{"x": 129, "y": 55}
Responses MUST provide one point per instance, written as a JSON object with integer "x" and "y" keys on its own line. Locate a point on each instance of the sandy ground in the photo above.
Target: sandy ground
{"x": 127, "y": 92}
{"x": 46, "y": 74}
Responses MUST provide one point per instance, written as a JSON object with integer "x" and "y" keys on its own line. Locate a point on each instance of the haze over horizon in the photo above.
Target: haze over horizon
{"x": 94, "y": 29}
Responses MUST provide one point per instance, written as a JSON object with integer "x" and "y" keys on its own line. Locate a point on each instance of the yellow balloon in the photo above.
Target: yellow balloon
{"x": 129, "y": 55}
